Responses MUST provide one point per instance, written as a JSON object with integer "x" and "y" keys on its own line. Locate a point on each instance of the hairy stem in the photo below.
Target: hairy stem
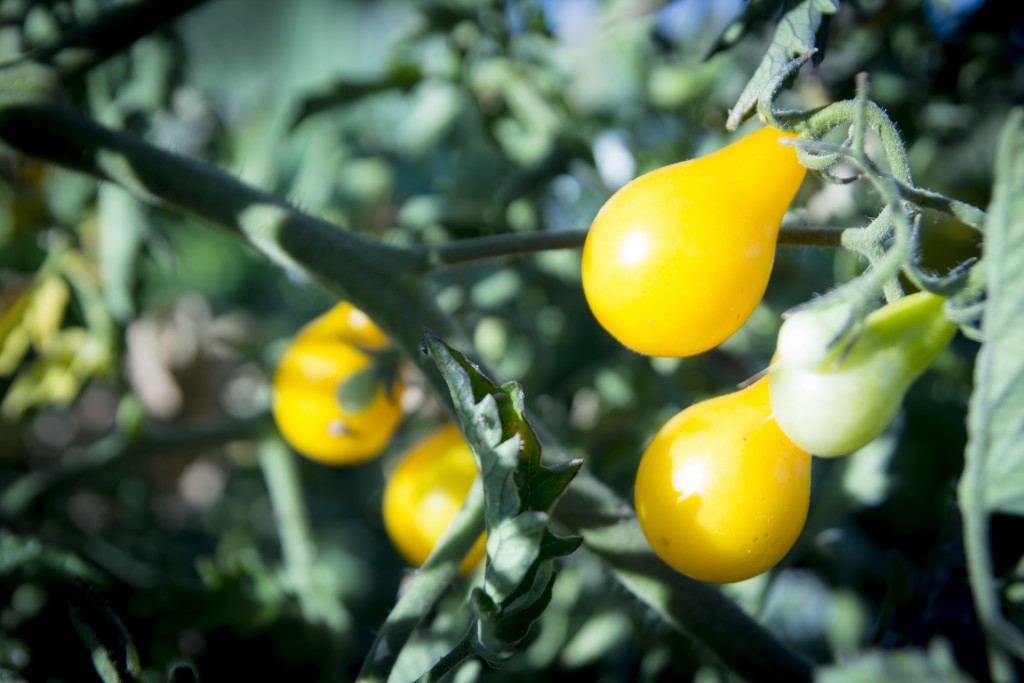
{"x": 514, "y": 244}
{"x": 281, "y": 474}
{"x": 462, "y": 651}
{"x": 87, "y": 45}
{"x": 338, "y": 259}
{"x": 422, "y": 593}
{"x": 118, "y": 446}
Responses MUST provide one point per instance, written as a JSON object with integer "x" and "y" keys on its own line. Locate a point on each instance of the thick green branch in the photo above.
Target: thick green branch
{"x": 422, "y": 593}
{"x": 119, "y": 445}
{"x": 462, "y": 651}
{"x": 352, "y": 265}
{"x": 87, "y": 45}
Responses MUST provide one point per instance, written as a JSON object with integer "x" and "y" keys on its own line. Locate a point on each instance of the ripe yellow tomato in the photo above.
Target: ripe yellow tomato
{"x": 345, "y": 321}
{"x": 425, "y": 491}
{"x": 306, "y": 405}
{"x": 721, "y": 493}
{"x": 677, "y": 260}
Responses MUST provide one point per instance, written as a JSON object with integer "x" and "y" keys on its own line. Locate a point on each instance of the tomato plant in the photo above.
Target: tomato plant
{"x": 310, "y": 380}
{"x": 721, "y": 492}
{"x": 434, "y": 164}
{"x": 677, "y": 260}
{"x": 425, "y": 490}
{"x": 833, "y": 394}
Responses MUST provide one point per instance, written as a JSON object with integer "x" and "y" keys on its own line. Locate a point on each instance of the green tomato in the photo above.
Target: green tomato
{"x": 834, "y": 398}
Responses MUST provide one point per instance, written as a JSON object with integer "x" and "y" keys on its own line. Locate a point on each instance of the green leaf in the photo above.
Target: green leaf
{"x": 795, "y": 35}
{"x": 519, "y": 493}
{"x": 344, "y": 92}
{"x": 935, "y": 665}
{"x": 113, "y": 652}
{"x": 994, "y": 422}
{"x": 122, "y": 228}
{"x": 30, "y": 556}
{"x": 753, "y": 13}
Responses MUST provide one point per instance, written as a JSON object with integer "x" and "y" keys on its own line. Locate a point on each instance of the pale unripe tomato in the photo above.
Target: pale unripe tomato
{"x": 677, "y": 260}
{"x": 835, "y": 400}
{"x": 721, "y": 493}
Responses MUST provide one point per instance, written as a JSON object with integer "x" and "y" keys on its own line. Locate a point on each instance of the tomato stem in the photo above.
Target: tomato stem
{"x": 462, "y": 651}
{"x": 421, "y": 594}
{"x": 280, "y": 469}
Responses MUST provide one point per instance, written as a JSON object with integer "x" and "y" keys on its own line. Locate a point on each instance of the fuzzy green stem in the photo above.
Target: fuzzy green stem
{"x": 78, "y": 463}
{"x": 494, "y": 246}
{"x": 472, "y": 249}
{"x": 281, "y": 473}
{"x": 337, "y": 259}
{"x": 971, "y": 493}
{"x": 883, "y": 275}
{"x": 431, "y": 580}
{"x": 89, "y": 44}
{"x": 462, "y": 651}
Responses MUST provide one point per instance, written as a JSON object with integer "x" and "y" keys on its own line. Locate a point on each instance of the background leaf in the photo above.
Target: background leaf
{"x": 934, "y": 665}
{"x": 795, "y": 35}
{"x": 996, "y": 416}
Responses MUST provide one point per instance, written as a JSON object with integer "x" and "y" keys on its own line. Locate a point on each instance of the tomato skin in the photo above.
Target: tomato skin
{"x": 677, "y": 260}
{"x": 425, "y": 491}
{"x": 322, "y": 356}
{"x": 345, "y": 321}
{"x": 834, "y": 401}
{"x": 721, "y": 493}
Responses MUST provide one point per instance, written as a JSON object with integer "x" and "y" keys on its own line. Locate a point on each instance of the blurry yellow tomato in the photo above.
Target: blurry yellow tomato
{"x": 425, "y": 491}
{"x": 345, "y": 321}
{"x": 721, "y": 492}
{"x": 677, "y": 260}
{"x": 307, "y": 386}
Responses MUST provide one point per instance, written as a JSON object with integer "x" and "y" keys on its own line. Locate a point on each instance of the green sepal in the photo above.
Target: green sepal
{"x": 357, "y": 391}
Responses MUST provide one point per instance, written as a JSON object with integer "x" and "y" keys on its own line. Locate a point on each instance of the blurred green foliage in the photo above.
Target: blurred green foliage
{"x": 418, "y": 123}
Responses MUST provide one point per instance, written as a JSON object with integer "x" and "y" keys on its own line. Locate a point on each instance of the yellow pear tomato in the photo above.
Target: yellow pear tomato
{"x": 721, "y": 493}
{"x": 307, "y": 407}
{"x": 425, "y": 491}
{"x": 677, "y": 260}
{"x": 345, "y": 321}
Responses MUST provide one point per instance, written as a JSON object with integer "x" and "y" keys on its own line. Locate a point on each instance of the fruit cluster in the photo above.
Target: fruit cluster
{"x": 334, "y": 402}
{"x": 674, "y": 264}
